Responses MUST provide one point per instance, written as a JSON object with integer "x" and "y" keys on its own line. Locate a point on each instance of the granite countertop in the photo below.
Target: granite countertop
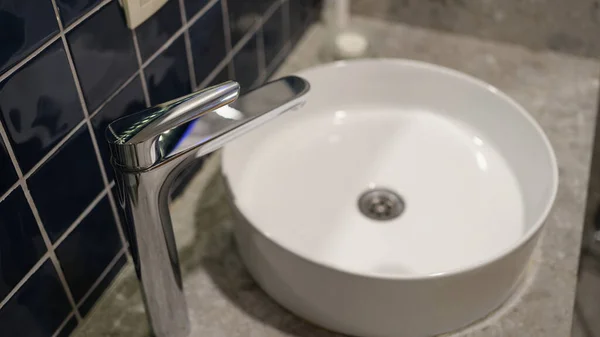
{"x": 558, "y": 90}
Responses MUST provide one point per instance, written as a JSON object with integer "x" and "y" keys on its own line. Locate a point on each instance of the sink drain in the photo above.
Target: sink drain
{"x": 380, "y": 204}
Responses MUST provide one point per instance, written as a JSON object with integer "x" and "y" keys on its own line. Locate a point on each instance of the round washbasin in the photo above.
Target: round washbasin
{"x": 403, "y": 199}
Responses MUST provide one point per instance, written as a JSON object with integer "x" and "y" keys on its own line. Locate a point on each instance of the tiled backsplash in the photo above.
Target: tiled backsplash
{"x": 68, "y": 68}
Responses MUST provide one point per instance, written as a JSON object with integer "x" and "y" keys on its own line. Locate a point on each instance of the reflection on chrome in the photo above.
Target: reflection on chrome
{"x": 151, "y": 148}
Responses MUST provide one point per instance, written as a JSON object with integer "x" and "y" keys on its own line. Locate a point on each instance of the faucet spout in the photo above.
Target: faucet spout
{"x": 151, "y": 148}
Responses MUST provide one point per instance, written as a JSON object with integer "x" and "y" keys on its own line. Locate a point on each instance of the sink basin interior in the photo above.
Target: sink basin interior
{"x": 474, "y": 171}
{"x": 462, "y": 201}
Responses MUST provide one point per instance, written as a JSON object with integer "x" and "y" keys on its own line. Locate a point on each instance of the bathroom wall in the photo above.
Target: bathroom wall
{"x": 69, "y": 67}
{"x": 566, "y": 26}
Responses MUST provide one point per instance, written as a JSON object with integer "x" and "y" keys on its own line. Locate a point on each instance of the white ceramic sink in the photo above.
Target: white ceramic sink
{"x": 473, "y": 174}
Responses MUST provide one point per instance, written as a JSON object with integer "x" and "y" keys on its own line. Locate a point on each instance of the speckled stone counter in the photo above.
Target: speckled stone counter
{"x": 559, "y": 90}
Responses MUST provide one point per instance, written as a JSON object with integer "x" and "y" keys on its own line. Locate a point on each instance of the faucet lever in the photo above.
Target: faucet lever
{"x": 146, "y": 132}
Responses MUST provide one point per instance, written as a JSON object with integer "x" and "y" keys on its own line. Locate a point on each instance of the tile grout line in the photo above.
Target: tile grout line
{"x": 51, "y": 40}
{"x": 87, "y": 118}
{"x": 51, "y": 252}
{"x": 138, "y": 56}
{"x": 99, "y": 160}
{"x": 164, "y": 47}
{"x": 25, "y": 278}
{"x": 271, "y": 10}
{"x": 200, "y": 13}
{"x": 285, "y": 9}
{"x": 114, "y": 94}
{"x": 188, "y": 45}
{"x": 85, "y": 16}
{"x": 80, "y": 218}
{"x": 280, "y": 56}
{"x": 63, "y": 280}
{"x": 100, "y": 278}
{"x": 260, "y": 43}
{"x": 261, "y": 57}
{"x": 107, "y": 185}
{"x": 38, "y": 220}
{"x": 62, "y": 325}
{"x": 36, "y": 215}
{"x": 224, "y": 63}
{"x": 229, "y": 57}
{"x": 10, "y": 190}
{"x": 287, "y": 47}
{"x": 55, "y": 149}
{"x": 227, "y": 31}
{"x": 28, "y": 58}
{"x": 70, "y": 134}
{"x": 178, "y": 33}
{"x": 228, "y": 50}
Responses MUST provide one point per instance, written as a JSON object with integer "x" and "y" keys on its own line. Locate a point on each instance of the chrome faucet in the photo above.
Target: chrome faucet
{"x": 150, "y": 148}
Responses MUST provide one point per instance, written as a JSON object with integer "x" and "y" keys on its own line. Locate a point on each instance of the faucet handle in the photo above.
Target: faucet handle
{"x": 135, "y": 139}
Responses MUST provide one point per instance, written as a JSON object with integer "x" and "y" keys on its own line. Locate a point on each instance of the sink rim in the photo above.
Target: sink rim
{"x": 536, "y": 226}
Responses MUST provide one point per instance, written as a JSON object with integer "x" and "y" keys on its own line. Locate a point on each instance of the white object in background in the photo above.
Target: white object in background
{"x": 350, "y": 45}
{"x": 476, "y": 172}
{"x": 345, "y": 42}
{"x": 138, "y": 11}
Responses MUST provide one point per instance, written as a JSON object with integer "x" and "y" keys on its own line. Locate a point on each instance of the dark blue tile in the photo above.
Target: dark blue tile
{"x": 273, "y": 35}
{"x": 88, "y": 250}
{"x": 129, "y": 100}
{"x": 72, "y": 9}
{"x": 103, "y": 53}
{"x": 246, "y": 64}
{"x": 302, "y": 12}
{"x": 9, "y": 176}
{"x": 243, "y": 15}
{"x": 208, "y": 42}
{"x": 89, "y": 302}
{"x": 38, "y": 308}
{"x": 222, "y": 76}
{"x": 68, "y": 328}
{"x": 168, "y": 76}
{"x": 274, "y": 66}
{"x": 65, "y": 185}
{"x": 194, "y": 6}
{"x": 36, "y": 112}
{"x": 24, "y": 26}
{"x": 155, "y": 31}
{"x": 21, "y": 243}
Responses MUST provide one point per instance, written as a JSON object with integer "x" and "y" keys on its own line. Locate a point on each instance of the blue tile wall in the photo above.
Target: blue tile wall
{"x": 36, "y": 112}
{"x": 9, "y": 176}
{"x": 154, "y": 32}
{"x": 168, "y": 76}
{"x": 246, "y": 64}
{"x": 103, "y": 52}
{"x": 19, "y": 236}
{"x": 24, "y": 26}
{"x": 56, "y": 184}
{"x": 38, "y": 308}
{"x": 67, "y": 69}
{"x": 207, "y": 38}
{"x": 129, "y": 100}
{"x": 73, "y": 9}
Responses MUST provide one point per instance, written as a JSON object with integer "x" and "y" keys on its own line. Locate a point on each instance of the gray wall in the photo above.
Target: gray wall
{"x": 569, "y": 26}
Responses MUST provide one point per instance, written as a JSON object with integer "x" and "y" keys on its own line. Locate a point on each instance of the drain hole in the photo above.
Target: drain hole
{"x": 380, "y": 204}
